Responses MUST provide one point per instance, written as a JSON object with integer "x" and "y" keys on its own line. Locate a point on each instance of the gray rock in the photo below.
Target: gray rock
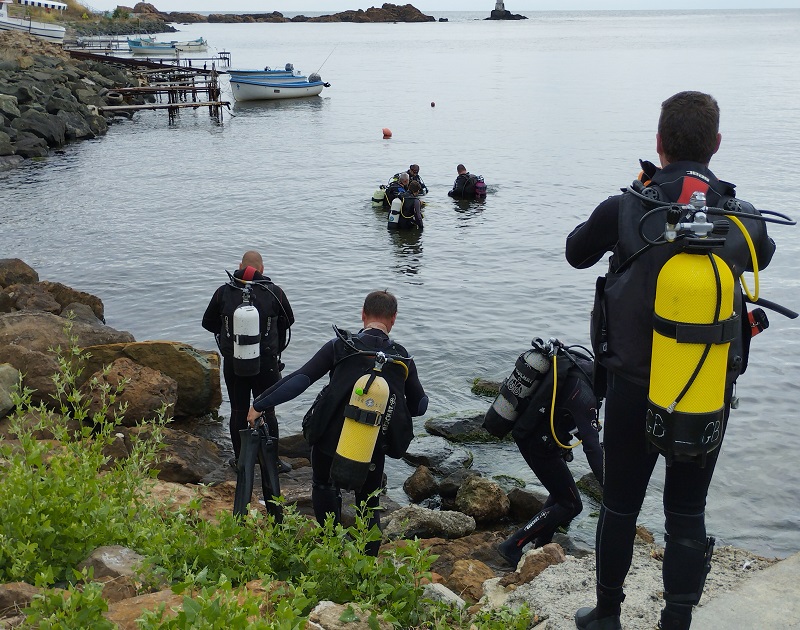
{"x": 9, "y": 107}
{"x": 76, "y": 126}
{"x": 483, "y": 499}
{"x": 6, "y": 148}
{"x": 437, "y": 454}
{"x": 460, "y": 427}
{"x": 415, "y": 521}
{"x": 46, "y": 126}
{"x": 421, "y": 485}
{"x": 112, "y": 561}
{"x": 29, "y": 146}
{"x": 440, "y": 593}
{"x": 9, "y": 378}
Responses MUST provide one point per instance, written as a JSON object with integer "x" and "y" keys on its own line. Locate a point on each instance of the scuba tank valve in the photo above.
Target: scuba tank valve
{"x": 517, "y": 389}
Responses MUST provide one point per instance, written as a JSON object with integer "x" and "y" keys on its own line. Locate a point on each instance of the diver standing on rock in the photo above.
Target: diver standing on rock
{"x": 671, "y": 331}
{"x": 363, "y": 414}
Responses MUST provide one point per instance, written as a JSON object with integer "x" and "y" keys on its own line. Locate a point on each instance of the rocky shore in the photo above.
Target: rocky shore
{"x": 386, "y": 13}
{"x": 460, "y": 514}
{"x": 48, "y": 99}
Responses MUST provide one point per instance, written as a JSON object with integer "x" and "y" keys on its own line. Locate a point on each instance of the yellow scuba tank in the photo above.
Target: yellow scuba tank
{"x": 693, "y": 326}
{"x": 362, "y": 423}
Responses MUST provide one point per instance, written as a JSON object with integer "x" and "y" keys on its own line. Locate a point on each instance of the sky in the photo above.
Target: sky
{"x": 333, "y": 6}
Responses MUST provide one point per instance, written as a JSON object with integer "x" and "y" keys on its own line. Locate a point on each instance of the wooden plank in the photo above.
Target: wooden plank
{"x": 150, "y": 106}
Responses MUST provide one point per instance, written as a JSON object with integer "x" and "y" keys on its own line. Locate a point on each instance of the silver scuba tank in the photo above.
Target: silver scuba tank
{"x": 516, "y": 390}
{"x": 246, "y": 341}
{"x": 394, "y": 210}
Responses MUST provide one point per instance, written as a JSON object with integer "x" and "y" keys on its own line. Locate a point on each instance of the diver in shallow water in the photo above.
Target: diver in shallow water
{"x": 409, "y": 215}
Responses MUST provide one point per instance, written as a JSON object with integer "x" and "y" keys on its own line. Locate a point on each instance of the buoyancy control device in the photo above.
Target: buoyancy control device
{"x": 362, "y": 424}
{"x": 517, "y": 389}
{"x": 694, "y": 322}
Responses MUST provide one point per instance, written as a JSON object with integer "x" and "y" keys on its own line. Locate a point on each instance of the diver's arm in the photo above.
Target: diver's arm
{"x": 291, "y": 386}
{"x": 591, "y": 240}
{"x": 416, "y": 398}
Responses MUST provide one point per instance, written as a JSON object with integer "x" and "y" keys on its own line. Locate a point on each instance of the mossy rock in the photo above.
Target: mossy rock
{"x": 484, "y": 387}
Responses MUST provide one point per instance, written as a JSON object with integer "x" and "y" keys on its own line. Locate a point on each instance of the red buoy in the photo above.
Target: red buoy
{"x": 387, "y": 133}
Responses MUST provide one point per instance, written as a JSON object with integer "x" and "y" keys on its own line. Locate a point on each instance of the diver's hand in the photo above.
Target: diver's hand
{"x": 252, "y": 416}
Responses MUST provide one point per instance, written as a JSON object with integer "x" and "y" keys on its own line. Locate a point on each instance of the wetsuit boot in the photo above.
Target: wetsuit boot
{"x": 676, "y": 617}
{"x": 604, "y": 616}
{"x": 543, "y": 524}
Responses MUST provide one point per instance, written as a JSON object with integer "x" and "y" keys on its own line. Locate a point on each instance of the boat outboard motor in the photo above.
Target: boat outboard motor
{"x": 246, "y": 337}
{"x": 313, "y": 78}
{"x": 289, "y": 67}
{"x": 517, "y": 390}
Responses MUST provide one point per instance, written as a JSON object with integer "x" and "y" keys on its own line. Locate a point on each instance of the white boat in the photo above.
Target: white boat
{"x": 145, "y": 47}
{"x": 148, "y": 46}
{"x": 257, "y": 89}
{"x": 267, "y": 72}
{"x": 45, "y": 30}
{"x": 194, "y": 45}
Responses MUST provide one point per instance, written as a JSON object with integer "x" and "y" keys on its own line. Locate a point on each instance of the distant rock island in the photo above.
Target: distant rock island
{"x": 500, "y": 13}
{"x": 387, "y": 13}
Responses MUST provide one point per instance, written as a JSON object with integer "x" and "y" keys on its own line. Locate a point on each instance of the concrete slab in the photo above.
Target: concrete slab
{"x": 770, "y": 600}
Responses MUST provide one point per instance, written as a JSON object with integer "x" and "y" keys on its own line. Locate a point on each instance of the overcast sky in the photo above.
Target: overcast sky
{"x": 332, "y": 6}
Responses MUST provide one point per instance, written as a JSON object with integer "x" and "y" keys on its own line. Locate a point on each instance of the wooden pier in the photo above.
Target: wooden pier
{"x": 181, "y": 87}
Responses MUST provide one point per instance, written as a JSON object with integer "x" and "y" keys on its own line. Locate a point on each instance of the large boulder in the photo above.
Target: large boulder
{"x": 37, "y": 369}
{"x": 31, "y": 297}
{"x": 41, "y": 331}
{"x": 414, "y": 521}
{"x": 437, "y": 454}
{"x": 8, "y": 106}
{"x": 65, "y": 295}
{"x": 144, "y": 392}
{"x": 195, "y": 371}
{"x": 15, "y": 271}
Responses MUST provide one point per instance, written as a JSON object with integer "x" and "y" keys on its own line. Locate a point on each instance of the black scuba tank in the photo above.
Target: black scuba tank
{"x": 517, "y": 390}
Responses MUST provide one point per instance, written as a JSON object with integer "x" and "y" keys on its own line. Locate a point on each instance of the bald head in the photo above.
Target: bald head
{"x": 252, "y": 259}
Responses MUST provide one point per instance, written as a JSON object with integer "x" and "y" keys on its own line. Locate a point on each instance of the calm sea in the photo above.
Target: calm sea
{"x": 554, "y": 112}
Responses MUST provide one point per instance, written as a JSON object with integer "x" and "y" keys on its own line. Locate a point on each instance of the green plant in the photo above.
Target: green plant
{"x": 57, "y": 506}
{"x": 55, "y": 609}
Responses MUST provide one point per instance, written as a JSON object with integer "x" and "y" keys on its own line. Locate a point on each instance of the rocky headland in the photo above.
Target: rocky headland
{"x": 460, "y": 513}
{"x": 386, "y": 13}
{"x": 48, "y": 99}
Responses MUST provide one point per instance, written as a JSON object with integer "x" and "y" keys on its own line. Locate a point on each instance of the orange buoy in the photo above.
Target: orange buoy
{"x": 433, "y": 104}
{"x": 387, "y": 133}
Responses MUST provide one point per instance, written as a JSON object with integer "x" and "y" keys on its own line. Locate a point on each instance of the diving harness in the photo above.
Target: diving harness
{"x": 694, "y": 323}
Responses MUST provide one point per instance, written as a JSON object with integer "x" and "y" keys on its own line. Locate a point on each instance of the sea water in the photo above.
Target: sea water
{"x": 554, "y": 111}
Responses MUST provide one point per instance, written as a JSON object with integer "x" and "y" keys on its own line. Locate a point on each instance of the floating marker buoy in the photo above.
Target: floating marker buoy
{"x": 387, "y": 133}
{"x": 433, "y": 104}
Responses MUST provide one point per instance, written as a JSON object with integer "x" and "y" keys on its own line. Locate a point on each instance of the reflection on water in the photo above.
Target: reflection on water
{"x": 467, "y": 210}
{"x": 407, "y": 249}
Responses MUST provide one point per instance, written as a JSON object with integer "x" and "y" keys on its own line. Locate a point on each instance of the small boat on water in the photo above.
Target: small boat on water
{"x": 44, "y": 30}
{"x": 149, "y": 46}
{"x": 269, "y": 89}
{"x": 270, "y": 85}
{"x": 194, "y": 45}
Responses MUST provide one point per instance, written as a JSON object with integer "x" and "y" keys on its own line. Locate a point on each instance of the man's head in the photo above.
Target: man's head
{"x": 252, "y": 259}
{"x": 461, "y": 169}
{"x": 414, "y": 169}
{"x": 380, "y": 307}
{"x": 688, "y": 128}
{"x": 403, "y": 179}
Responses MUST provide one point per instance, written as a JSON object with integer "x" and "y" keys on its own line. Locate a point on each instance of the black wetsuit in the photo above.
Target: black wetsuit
{"x": 628, "y": 464}
{"x": 461, "y": 188}
{"x": 576, "y": 409}
{"x": 410, "y": 214}
{"x": 325, "y": 496}
{"x": 270, "y": 303}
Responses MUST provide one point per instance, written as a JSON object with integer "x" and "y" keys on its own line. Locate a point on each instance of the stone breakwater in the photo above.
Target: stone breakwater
{"x": 48, "y": 99}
